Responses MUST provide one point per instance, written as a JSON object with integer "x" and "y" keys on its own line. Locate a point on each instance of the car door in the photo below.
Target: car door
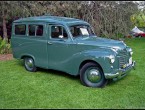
{"x": 59, "y": 49}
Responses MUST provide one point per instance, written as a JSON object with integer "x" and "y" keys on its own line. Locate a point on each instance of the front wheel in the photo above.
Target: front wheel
{"x": 92, "y": 76}
{"x": 29, "y": 64}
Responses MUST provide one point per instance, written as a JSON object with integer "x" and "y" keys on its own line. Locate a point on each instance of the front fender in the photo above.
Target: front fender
{"x": 100, "y": 56}
{"x": 97, "y": 55}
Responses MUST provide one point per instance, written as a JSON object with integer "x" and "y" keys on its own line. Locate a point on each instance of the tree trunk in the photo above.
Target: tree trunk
{"x": 4, "y": 28}
{"x": 4, "y": 23}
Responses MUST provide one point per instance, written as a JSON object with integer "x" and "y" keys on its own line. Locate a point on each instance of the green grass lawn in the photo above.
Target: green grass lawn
{"x": 51, "y": 89}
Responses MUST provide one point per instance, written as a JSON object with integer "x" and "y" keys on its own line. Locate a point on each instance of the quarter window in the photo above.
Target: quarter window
{"x": 20, "y": 29}
{"x": 35, "y": 30}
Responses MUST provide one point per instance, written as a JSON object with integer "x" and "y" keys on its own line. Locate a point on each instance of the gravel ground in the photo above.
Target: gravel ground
{"x": 6, "y": 57}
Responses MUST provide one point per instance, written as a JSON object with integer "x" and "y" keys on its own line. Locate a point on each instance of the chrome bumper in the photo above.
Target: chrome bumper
{"x": 121, "y": 72}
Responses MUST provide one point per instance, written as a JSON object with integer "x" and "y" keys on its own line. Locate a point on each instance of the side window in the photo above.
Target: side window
{"x": 39, "y": 30}
{"x": 31, "y": 30}
{"x": 20, "y": 29}
{"x": 58, "y": 32}
{"x": 35, "y": 30}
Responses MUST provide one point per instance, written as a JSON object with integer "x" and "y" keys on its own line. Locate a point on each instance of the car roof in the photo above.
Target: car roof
{"x": 53, "y": 19}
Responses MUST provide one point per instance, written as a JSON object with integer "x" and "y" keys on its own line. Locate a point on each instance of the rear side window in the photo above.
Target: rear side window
{"x": 35, "y": 30}
{"x": 20, "y": 29}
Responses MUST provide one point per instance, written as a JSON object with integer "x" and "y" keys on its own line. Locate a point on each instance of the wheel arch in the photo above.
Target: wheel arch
{"x": 23, "y": 56}
{"x": 90, "y": 61}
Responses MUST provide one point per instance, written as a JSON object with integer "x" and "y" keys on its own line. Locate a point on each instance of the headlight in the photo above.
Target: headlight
{"x": 130, "y": 51}
{"x": 112, "y": 59}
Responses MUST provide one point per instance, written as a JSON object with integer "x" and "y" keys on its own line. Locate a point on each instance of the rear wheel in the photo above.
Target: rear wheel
{"x": 92, "y": 76}
{"x": 29, "y": 64}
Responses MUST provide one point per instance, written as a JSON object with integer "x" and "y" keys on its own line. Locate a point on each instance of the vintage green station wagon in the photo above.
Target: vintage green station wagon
{"x": 70, "y": 45}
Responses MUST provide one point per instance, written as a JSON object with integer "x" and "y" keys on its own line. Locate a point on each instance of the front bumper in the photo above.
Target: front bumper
{"x": 121, "y": 72}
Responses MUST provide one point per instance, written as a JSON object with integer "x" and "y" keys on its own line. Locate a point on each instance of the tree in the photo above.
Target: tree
{"x": 8, "y": 9}
{"x": 107, "y": 18}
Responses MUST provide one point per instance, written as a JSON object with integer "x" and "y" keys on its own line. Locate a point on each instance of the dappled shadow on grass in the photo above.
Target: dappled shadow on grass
{"x": 112, "y": 82}
{"x": 53, "y": 72}
{"x": 58, "y": 73}
{"x": 20, "y": 62}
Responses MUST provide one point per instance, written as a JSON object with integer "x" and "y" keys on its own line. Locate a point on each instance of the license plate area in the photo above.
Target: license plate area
{"x": 129, "y": 63}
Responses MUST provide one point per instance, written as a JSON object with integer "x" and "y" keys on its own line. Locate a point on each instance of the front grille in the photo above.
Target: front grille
{"x": 122, "y": 58}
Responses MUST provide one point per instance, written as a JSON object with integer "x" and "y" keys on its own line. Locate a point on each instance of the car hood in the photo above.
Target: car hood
{"x": 101, "y": 42}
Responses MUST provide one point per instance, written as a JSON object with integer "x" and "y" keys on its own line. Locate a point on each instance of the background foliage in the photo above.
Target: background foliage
{"x": 110, "y": 19}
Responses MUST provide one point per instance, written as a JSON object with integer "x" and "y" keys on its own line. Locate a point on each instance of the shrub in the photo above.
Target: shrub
{"x": 119, "y": 35}
{"x": 5, "y": 48}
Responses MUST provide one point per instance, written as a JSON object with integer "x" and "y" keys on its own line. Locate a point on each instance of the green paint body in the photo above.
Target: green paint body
{"x": 66, "y": 55}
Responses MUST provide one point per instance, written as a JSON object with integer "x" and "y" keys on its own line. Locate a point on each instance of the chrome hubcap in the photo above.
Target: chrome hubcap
{"x": 94, "y": 75}
{"x": 29, "y": 63}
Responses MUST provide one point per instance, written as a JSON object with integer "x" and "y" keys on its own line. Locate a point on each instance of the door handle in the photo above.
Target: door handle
{"x": 49, "y": 43}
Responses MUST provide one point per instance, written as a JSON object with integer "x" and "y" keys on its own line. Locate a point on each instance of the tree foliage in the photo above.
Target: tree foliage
{"x": 108, "y": 18}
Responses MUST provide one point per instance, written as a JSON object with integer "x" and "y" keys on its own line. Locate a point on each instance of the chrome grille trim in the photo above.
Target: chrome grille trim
{"x": 122, "y": 55}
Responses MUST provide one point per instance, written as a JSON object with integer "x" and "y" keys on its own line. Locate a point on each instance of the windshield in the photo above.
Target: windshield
{"x": 81, "y": 30}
